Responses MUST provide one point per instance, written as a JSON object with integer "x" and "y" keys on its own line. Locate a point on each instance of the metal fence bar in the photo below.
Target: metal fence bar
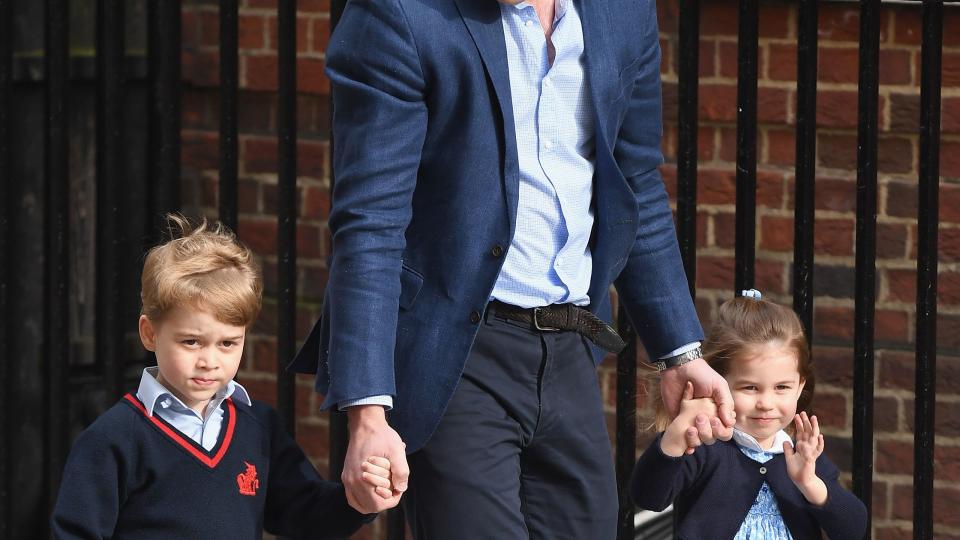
{"x": 927, "y": 227}
{"x": 806, "y": 163}
{"x": 688, "y": 82}
{"x": 56, "y": 264}
{"x": 227, "y": 185}
{"x": 6, "y": 379}
{"x": 746, "y": 212}
{"x": 626, "y": 443}
{"x": 287, "y": 206}
{"x": 866, "y": 249}
{"x": 164, "y": 107}
{"x": 110, "y": 216}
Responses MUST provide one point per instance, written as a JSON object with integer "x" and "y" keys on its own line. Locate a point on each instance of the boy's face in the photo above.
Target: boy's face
{"x": 197, "y": 354}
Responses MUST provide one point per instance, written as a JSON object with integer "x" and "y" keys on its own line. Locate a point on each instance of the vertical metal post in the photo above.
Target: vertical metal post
{"x": 626, "y": 452}
{"x": 746, "y": 145}
{"x": 806, "y": 164}
{"x": 927, "y": 226}
{"x": 866, "y": 250}
{"x": 164, "y": 107}
{"x": 56, "y": 267}
{"x": 110, "y": 213}
{"x": 338, "y": 422}
{"x": 687, "y": 86}
{"x": 228, "y": 113}
{"x": 287, "y": 205}
{"x": 6, "y": 381}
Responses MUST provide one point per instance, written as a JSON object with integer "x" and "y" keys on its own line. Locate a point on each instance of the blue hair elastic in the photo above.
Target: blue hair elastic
{"x": 751, "y": 293}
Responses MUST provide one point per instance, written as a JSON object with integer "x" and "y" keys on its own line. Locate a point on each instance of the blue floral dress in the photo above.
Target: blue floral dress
{"x": 763, "y": 521}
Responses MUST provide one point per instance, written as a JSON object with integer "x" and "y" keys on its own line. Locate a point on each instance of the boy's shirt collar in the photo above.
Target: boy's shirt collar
{"x": 151, "y": 393}
{"x": 745, "y": 440}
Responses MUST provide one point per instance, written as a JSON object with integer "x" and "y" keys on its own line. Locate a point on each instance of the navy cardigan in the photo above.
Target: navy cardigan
{"x": 714, "y": 488}
{"x": 134, "y": 476}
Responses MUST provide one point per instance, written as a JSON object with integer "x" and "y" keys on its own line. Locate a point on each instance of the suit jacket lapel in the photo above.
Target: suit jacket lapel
{"x": 482, "y": 18}
{"x": 600, "y": 61}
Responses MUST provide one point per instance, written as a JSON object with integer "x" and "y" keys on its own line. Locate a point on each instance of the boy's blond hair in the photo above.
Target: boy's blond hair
{"x": 202, "y": 266}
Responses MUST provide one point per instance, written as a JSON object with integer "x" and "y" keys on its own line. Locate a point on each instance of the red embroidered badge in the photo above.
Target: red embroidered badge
{"x": 248, "y": 481}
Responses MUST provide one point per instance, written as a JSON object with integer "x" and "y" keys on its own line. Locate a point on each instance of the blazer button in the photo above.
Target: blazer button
{"x": 475, "y": 317}
{"x": 497, "y": 250}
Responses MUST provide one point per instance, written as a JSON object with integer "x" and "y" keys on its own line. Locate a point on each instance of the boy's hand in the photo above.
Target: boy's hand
{"x": 801, "y": 459}
{"x": 376, "y": 472}
{"x": 682, "y": 435}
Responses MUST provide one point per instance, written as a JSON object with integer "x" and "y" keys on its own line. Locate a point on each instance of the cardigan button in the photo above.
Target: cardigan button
{"x": 763, "y": 470}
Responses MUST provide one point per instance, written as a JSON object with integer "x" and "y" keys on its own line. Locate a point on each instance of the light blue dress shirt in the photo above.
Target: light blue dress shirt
{"x": 549, "y": 260}
{"x": 763, "y": 521}
{"x": 204, "y": 430}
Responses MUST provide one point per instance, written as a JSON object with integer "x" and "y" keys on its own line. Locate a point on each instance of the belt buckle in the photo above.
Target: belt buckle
{"x": 536, "y": 322}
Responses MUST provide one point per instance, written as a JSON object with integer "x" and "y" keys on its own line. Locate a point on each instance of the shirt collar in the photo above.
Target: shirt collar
{"x": 151, "y": 391}
{"x": 747, "y": 441}
{"x": 559, "y": 7}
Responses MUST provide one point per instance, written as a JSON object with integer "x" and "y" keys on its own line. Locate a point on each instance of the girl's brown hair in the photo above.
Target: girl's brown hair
{"x": 744, "y": 324}
{"x": 204, "y": 266}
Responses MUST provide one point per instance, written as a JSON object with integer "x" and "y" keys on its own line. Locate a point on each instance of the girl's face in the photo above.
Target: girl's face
{"x": 766, "y": 385}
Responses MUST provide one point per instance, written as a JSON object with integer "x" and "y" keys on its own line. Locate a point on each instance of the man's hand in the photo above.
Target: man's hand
{"x": 371, "y": 436}
{"x": 706, "y": 383}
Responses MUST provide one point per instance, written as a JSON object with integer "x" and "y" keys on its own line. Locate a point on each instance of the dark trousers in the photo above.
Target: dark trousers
{"x": 522, "y": 450}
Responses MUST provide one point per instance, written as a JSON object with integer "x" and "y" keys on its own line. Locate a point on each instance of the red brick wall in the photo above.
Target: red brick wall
{"x": 835, "y": 208}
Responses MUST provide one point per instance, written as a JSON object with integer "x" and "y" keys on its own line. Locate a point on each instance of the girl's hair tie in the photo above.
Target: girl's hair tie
{"x": 751, "y": 293}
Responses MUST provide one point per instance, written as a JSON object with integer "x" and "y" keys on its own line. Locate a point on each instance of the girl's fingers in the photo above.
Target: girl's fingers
{"x": 788, "y": 450}
{"x": 798, "y": 424}
{"x": 688, "y": 391}
{"x": 820, "y": 443}
{"x": 816, "y": 426}
{"x": 806, "y": 422}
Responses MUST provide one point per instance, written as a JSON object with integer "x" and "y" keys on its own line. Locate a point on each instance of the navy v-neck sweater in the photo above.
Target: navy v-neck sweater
{"x": 712, "y": 491}
{"x": 134, "y": 476}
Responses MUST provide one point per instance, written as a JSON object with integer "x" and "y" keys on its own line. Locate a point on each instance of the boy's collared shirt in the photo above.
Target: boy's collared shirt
{"x": 203, "y": 430}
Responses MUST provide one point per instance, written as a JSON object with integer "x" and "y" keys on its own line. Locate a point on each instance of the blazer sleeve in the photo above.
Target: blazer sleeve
{"x": 91, "y": 490}
{"x": 379, "y": 125}
{"x": 658, "y": 479}
{"x": 652, "y": 285}
{"x": 300, "y": 503}
{"x": 843, "y": 515}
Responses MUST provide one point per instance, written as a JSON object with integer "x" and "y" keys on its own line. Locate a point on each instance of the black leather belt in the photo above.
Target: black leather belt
{"x": 560, "y": 318}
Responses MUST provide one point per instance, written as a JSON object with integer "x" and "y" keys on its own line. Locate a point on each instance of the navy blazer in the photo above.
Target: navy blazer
{"x": 426, "y": 171}
{"x": 713, "y": 489}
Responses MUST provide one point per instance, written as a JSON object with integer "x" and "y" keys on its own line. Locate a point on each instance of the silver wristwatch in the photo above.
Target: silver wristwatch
{"x": 678, "y": 360}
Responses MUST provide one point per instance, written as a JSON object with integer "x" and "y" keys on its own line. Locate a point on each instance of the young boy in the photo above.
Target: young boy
{"x": 190, "y": 455}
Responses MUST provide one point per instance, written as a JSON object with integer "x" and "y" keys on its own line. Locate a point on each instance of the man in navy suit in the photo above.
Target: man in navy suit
{"x": 495, "y": 172}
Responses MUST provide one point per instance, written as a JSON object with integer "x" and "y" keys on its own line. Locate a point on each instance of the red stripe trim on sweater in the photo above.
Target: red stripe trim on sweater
{"x": 179, "y": 439}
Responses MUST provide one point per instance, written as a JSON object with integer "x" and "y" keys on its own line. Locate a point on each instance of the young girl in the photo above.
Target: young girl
{"x": 760, "y": 484}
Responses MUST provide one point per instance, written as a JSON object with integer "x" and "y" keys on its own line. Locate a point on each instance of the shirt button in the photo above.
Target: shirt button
{"x": 475, "y": 317}
{"x": 548, "y": 145}
{"x": 497, "y": 250}
{"x": 763, "y": 470}
{"x": 529, "y": 23}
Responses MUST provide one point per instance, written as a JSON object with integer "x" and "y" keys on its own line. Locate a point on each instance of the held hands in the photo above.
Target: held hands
{"x": 801, "y": 459}
{"x": 375, "y": 470}
{"x": 681, "y": 437}
{"x": 707, "y": 383}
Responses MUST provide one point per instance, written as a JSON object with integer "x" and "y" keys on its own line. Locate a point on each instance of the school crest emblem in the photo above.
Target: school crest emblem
{"x": 247, "y": 481}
